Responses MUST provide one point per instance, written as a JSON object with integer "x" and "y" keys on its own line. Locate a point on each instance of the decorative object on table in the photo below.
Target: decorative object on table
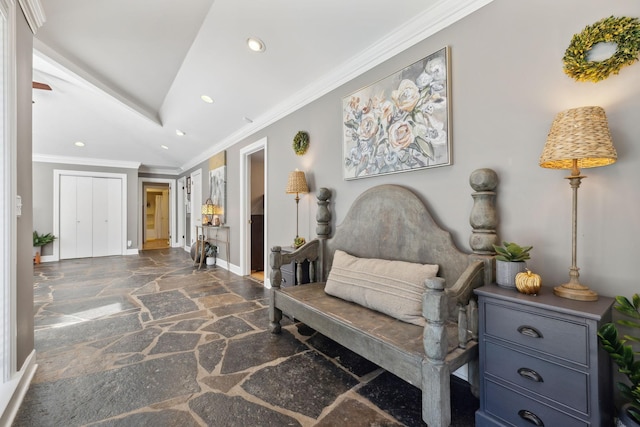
{"x": 622, "y": 35}
{"x": 296, "y": 184}
{"x": 528, "y": 282}
{"x": 510, "y": 261}
{"x": 218, "y": 186}
{"x": 579, "y": 138}
{"x": 208, "y": 210}
{"x": 399, "y": 123}
{"x": 301, "y": 143}
{"x": 623, "y": 355}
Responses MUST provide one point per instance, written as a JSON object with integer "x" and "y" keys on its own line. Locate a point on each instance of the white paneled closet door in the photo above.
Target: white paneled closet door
{"x": 68, "y": 228}
{"x": 100, "y": 216}
{"x": 114, "y": 217}
{"x": 90, "y": 216}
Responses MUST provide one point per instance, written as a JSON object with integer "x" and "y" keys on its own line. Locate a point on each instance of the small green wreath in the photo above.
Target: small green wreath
{"x": 625, "y": 32}
{"x": 301, "y": 143}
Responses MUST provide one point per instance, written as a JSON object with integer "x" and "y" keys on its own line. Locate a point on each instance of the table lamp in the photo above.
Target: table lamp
{"x": 208, "y": 210}
{"x": 579, "y": 138}
{"x": 297, "y": 183}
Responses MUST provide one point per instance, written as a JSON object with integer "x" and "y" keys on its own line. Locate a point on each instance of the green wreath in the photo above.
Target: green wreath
{"x": 301, "y": 143}
{"x": 625, "y": 32}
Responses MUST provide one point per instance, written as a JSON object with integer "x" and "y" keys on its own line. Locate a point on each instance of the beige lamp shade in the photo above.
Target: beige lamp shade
{"x": 208, "y": 208}
{"x": 297, "y": 183}
{"x": 580, "y": 134}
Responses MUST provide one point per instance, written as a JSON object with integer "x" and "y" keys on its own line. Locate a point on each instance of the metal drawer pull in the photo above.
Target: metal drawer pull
{"x": 530, "y": 374}
{"x": 531, "y": 417}
{"x": 530, "y": 331}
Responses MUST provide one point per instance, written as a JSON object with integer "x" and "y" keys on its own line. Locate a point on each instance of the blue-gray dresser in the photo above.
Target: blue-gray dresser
{"x": 540, "y": 361}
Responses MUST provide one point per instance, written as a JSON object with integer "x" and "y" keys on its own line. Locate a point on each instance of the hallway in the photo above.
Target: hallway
{"x": 149, "y": 340}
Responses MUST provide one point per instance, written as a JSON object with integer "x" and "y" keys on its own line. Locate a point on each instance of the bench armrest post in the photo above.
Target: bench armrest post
{"x": 434, "y": 310}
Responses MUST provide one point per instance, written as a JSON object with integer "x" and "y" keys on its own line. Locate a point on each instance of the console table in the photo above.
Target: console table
{"x": 540, "y": 360}
{"x": 213, "y": 234}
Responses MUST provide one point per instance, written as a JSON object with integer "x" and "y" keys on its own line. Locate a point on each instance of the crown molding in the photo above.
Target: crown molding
{"x": 160, "y": 170}
{"x": 45, "y": 158}
{"x": 34, "y": 13}
{"x": 441, "y": 15}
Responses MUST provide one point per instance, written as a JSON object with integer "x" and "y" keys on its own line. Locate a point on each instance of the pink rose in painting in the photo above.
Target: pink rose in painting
{"x": 368, "y": 127}
{"x": 407, "y": 95}
{"x": 400, "y": 135}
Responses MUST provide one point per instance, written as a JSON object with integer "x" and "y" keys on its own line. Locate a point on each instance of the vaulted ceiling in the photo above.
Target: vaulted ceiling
{"x": 126, "y": 74}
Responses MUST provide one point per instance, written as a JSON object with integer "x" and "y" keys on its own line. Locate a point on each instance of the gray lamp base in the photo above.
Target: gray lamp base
{"x": 575, "y": 292}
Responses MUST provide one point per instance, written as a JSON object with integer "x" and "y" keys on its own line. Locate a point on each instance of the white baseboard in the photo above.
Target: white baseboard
{"x": 48, "y": 258}
{"x": 12, "y": 392}
{"x": 132, "y": 251}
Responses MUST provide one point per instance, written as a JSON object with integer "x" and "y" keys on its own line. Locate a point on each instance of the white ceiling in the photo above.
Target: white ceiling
{"x": 127, "y": 73}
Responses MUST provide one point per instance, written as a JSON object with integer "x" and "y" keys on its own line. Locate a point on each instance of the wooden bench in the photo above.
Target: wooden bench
{"x": 390, "y": 222}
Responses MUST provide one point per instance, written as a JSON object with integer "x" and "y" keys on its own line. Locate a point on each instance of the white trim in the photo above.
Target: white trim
{"x": 44, "y": 158}
{"x": 132, "y": 252}
{"x": 172, "y": 207}
{"x": 9, "y": 219}
{"x": 12, "y": 393}
{"x": 245, "y": 191}
{"x": 442, "y": 14}
{"x": 57, "y": 173}
{"x": 181, "y": 214}
{"x": 34, "y": 13}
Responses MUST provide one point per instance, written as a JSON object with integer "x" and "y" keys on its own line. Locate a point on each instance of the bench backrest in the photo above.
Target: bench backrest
{"x": 391, "y": 222}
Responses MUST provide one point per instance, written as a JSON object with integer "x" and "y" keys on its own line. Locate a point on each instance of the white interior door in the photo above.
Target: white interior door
{"x": 68, "y": 234}
{"x": 84, "y": 217}
{"x": 196, "y": 203}
{"x": 100, "y": 223}
{"x": 114, "y": 217}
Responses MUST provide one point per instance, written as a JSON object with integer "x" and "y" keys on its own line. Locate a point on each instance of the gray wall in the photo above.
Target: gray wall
{"x": 43, "y": 197}
{"x": 507, "y": 85}
{"x": 24, "y": 271}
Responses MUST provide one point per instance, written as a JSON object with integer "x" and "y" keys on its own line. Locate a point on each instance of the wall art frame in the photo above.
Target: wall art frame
{"x": 188, "y": 185}
{"x": 400, "y": 123}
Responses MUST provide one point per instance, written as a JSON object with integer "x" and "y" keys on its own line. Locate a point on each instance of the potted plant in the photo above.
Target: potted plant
{"x": 211, "y": 252}
{"x": 39, "y": 240}
{"x": 510, "y": 260}
{"x": 623, "y": 355}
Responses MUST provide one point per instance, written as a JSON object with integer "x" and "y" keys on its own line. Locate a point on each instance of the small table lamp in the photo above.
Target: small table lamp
{"x": 296, "y": 184}
{"x": 208, "y": 210}
{"x": 579, "y": 138}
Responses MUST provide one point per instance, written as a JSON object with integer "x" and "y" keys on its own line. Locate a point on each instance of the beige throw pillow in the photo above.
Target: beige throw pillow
{"x": 391, "y": 287}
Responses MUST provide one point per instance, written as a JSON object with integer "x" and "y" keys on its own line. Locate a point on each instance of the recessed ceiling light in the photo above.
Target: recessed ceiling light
{"x": 164, "y": 146}
{"x": 255, "y": 44}
{"x": 207, "y": 99}
{"x": 247, "y": 119}
{"x": 79, "y": 144}
{"x": 180, "y": 133}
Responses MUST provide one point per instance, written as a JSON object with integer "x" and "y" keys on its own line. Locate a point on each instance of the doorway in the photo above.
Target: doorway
{"x": 253, "y": 212}
{"x": 156, "y": 218}
{"x": 166, "y": 188}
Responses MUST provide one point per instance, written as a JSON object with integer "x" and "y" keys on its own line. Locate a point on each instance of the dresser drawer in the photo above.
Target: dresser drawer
{"x": 558, "y": 383}
{"x": 518, "y": 410}
{"x": 548, "y": 334}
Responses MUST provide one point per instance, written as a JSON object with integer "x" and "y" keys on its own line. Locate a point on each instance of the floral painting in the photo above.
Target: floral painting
{"x": 400, "y": 123}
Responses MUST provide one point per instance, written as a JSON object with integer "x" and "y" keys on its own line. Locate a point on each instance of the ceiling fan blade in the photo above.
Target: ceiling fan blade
{"x": 43, "y": 86}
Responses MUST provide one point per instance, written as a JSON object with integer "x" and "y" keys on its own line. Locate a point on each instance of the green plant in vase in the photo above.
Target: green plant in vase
{"x": 622, "y": 353}
{"x": 510, "y": 260}
{"x": 40, "y": 240}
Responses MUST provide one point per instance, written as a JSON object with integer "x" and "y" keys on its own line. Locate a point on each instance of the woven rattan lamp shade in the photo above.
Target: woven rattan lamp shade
{"x": 580, "y": 134}
{"x": 297, "y": 183}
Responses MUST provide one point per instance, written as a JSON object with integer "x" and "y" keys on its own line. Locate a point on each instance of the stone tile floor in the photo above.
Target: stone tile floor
{"x": 149, "y": 340}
